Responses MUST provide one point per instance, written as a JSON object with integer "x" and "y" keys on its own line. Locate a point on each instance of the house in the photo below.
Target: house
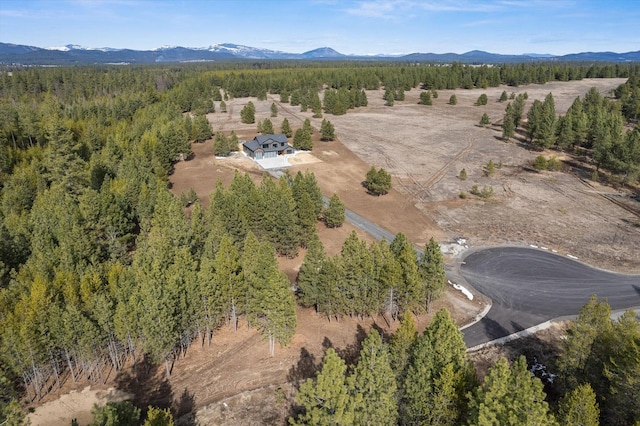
{"x": 267, "y": 146}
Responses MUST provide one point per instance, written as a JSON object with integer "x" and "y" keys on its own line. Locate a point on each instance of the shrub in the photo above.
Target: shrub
{"x": 463, "y": 174}
{"x": 453, "y": 100}
{"x": 554, "y": 164}
{"x": 540, "y": 163}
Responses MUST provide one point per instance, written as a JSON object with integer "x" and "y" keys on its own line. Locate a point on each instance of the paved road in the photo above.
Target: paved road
{"x": 529, "y": 286}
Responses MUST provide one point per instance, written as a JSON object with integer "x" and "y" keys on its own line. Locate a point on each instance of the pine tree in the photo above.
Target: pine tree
{"x": 331, "y": 301}
{"x": 388, "y": 97}
{"x": 503, "y": 96}
{"x": 372, "y": 385}
{"x": 418, "y": 384}
{"x": 327, "y": 131}
{"x": 302, "y": 140}
{"x": 510, "y": 396}
{"x": 432, "y": 272}
{"x": 334, "y": 215}
{"x": 223, "y": 106}
{"x": 410, "y": 291}
{"x": 309, "y": 276}
{"x": 158, "y": 417}
{"x": 267, "y": 127}
{"x": 285, "y": 128}
{"x": 579, "y": 407}
{"x": 425, "y": 98}
{"x": 326, "y": 399}
{"x": 453, "y": 100}
{"x": 248, "y": 113}
{"x": 230, "y": 287}
{"x": 401, "y": 344}
{"x": 508, "y": 123}
{"x": 484, "y": 120}
{"x": 482, "y": 99}
{"x": 274, "y": 110}
{"x": 201, "y": 130}
{"x": 316, "y": 105}
{"x": 307, "y": 218}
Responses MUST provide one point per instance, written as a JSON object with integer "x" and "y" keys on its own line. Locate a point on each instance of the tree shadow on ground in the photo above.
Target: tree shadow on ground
{"x": 148, "y": 385}
{"x": 305, "y": 368}
{"x": 184, "y": 409}
{"x": 351, "y": 353}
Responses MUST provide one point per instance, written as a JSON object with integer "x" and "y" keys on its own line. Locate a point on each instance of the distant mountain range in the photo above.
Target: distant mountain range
{"x": 73, "y": 54}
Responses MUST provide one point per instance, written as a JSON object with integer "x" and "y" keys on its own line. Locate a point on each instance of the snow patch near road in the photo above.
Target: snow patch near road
{"x": 463, "y": 290}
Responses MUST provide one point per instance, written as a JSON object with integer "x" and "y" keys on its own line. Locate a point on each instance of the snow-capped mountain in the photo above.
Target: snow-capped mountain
{"x": 71, "y": 54}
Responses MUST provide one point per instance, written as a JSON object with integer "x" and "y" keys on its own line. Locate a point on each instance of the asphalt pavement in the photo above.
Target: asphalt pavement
{"x": 530, "y": 286}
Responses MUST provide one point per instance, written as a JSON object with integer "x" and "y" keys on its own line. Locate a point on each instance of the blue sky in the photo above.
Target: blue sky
{"x": 350, "y": 27}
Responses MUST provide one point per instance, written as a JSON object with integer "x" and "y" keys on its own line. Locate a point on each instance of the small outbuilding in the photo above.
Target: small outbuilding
{"x": 267, "y": 146}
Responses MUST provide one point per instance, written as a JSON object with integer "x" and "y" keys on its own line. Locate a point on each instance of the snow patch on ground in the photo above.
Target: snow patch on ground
{"x": 463, "y": 290}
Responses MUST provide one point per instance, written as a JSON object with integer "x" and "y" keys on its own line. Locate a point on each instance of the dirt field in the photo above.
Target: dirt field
{"x": 424, "y": 148}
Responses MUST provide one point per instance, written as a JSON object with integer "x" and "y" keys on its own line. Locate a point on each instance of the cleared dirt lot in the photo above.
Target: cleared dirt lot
{"x": 424, "y": 148}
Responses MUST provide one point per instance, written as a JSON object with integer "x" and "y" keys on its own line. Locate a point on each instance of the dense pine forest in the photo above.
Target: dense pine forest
{"x": 101, "y": 266}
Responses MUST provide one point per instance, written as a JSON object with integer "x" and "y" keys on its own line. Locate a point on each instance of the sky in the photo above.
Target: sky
{"x": 363, "y": 27}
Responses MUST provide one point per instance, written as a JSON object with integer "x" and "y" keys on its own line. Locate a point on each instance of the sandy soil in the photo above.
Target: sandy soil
{"x": 424, "y": 148}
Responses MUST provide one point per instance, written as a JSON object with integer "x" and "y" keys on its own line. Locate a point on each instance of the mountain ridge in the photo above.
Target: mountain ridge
{"x": 72, "y": 54}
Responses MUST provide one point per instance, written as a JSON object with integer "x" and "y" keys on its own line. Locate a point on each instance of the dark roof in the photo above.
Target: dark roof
{"x": 259, "y": 140}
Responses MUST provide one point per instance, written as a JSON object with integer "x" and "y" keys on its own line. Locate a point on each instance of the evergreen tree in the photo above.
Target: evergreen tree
{"x": 334, "y": 215}
{"x": 401, "y": 344}
{"x": 326, "y": 399}
{"x": 115, "y": 414}
{"x": 274, "y": 110}
{"x": 432, "y": 272}
{"x": 201, "y": 129}
{"x": 302, "y": 140}
{"x": 309, "y": 285}
{"x": 316, "y": 105}
{"x": 223, "y": 106}
{"x": 248, "y": 113}
{"x": 307, "y": 184}
{"x": 518, "y": 109}
{"x": 271, "y": 306}
{"x": 285, "y": 128}
{"x": 510, "y": 396}
{"x": 453, "y": 100}
{"x": 417, "y": 386}
{"x": 503, "y": 96}
{"x": 388, "y": 97}
{"x": 306, "y": 126}
{"x": 327, "y": 131}
{"x": 425, "y": 98}
{"x": 410, "y": 291}
{"x": 158, "y": 417}
{"x": 221, "y": 146}
{"x": 508, "y": 123}
{"x": 267, "y": 127}
{"x": 579, "y": 407}
{"x": 229, "y": 284}
{"x": 279, "y": 218}
{"x": 377, "y": 181}
{"x": 484, "y": 120}
{"x": 307, "y": 218}
{"x": 482, "y": 99}
{"x": 372, "y": 385}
